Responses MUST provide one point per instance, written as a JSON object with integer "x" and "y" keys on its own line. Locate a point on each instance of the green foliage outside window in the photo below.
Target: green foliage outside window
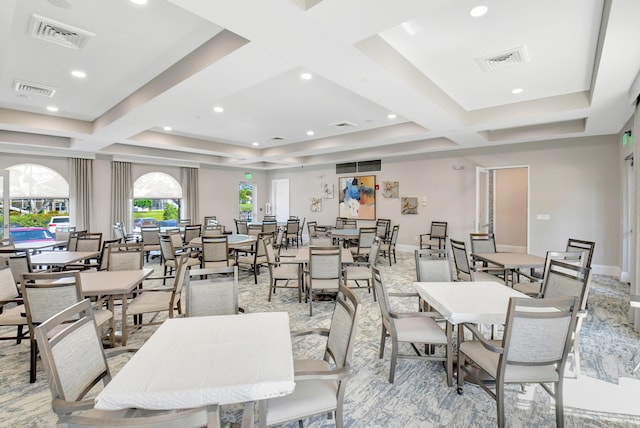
{"x": 170, "y": 212}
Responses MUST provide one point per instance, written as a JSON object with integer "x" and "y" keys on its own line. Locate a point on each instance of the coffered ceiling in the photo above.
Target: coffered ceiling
{"x": 387, "y": 78}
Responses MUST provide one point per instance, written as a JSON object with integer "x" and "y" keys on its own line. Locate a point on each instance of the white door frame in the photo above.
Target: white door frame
{"x": 6, "y": 211}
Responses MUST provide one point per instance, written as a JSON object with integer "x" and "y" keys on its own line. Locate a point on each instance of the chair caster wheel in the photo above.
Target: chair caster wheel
{"x": 459, "y": 391}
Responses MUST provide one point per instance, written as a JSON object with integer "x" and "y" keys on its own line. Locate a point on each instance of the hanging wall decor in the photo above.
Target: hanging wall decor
{"x": 390, "y": 189}
{"x": 316, "y": 205}
{"x": 357, "y": 198}
{"x": 408, "y": 205}
{"x": 327, "y": 191}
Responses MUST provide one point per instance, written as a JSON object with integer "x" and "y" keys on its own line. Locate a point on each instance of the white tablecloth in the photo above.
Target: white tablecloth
{"x": 474, "y": 302}
{"x": 194, "y": 362}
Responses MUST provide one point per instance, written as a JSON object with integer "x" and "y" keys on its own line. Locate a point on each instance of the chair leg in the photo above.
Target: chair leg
{"x": 34, "y": 360}
{"x": 383, "y": 340}
{"x": 559, "y": 404}
{"x": 394, "y": 359}
{"x": 19, "y": 337}
{"x": 500, "y": 403}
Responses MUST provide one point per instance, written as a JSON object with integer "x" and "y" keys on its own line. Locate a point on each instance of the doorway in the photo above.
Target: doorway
{"x": 280, "y": 198}
{"x": 502, "y": 206}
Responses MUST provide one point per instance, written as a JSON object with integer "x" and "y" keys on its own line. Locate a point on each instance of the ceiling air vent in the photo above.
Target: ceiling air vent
{"x": 278, "y": 138}
{"x": 503, "y": 59}
{"x": 29, "y": 88}
{"x": 55, "y": 32}
{"x": 344, "y": 124}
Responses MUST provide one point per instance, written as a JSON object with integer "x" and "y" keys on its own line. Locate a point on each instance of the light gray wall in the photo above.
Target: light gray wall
{"x": 575, "y": 181}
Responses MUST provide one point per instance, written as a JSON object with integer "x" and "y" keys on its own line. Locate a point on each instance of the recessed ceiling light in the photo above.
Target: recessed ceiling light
{"x": 140, "y": 2}
{"x": 255, "y": 143}
{"x": 310, "y": 133}
{"x": 218, "y": 109}
{"x": 306, "y": 76}
{"x": 392, "y": 116}
{"x": 517, "y": 91}
{"x": 478, "y": 11}
{"x": 167, "y": 128}
{"x": 79, "y": 74}
{"x": 52, "y": 108}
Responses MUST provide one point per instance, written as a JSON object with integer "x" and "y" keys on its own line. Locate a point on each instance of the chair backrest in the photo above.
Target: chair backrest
{"x": 184, "y": 222}
{"x": 269, "y": 218}
{"x": 254, "y": 229}
{"x": 90, "y": 241}
{"x": 46, "y": 294}
{"x": 321, "y": 241}
{"x": 538, "y": 332}
{"x": 241, "y": 227}
{"x": 579, "y": 245}
{"x": 344, "y": 324}
{"x": 215, "y": 249}
{"x": 213, "y": 296}
{"x": 394, "y": 235}
{"x": 567, "y": 280}
{"x": 192, "y": 231}
{"x": 176, "y": 238}
{"x": 73, "y": 239}
{"x": 210, "y": 220}
{"x": 482, "y": 243}
{"x": 340, "y": 222}
{"x": 104, "y": 252}
{"x": 366, "y": 236}
{"x": 8, "y": 289}
{"x": 166, "y": 247}
{"x": 63, "y": 233}
{"x": 269, "y": 226}
{"x": 150, "y": 235}
{"x": 383, "y": 297}
{"x": 292, "y": 226}
{"x": 73, "y": 358}
{"x": 311, "y": 228}
{"x": 438, "y": 229}
{"x": 213, "y": 230}
{"x": 432, "y": 269}
{"x": 118, "y": 231}
{"x": 382, "y": 226}
{"x": 128, "y": 256}
{"x": 181, "y": 273}
{"x": 19, "y": 262}
{"x": 374, "y": 251}
{"x": 350, "y": 224}
{"x": 461, "y": 260}
{"x": 324, "y": 263}
{"x": 279, "y": 237}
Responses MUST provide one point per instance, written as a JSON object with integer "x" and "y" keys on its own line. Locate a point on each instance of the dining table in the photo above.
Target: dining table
{"x": 511, "y": 263}
{"x": 303, "y": 255}
{"x": 202, "y": 361}
{"x": 114, "y": 285}
{"x": 60, "y": 259}
{"x": 467, "y": 302}
{"x": 38, "y": 245}
{"x": 234, "y": 241}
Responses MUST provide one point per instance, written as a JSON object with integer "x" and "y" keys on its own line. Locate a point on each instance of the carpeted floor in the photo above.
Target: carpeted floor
{"x": 605, "y": 395}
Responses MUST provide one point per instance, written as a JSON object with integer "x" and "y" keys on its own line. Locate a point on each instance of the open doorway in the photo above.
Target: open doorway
{"x": 502, "y": 206}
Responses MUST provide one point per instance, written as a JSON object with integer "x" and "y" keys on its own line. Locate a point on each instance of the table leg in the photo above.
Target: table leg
{"x": 124, "y": 320}
{"x": 449, "y": 328}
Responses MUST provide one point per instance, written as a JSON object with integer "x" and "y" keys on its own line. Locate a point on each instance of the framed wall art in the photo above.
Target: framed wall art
{"x": 390, "y": 189}
{"x": 327, "y": 191}
{"x": 357, "y": 197}
{"x": 408, "y": 205}
{"x": 316, "y": 205}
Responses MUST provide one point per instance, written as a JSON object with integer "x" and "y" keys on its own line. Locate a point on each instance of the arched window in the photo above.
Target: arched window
{"x": 156, "y": 200}
{"x": 37, "y": 189}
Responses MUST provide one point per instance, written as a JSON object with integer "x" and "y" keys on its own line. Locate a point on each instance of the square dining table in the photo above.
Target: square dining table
{"x": 510, "y": 262}
{"x": 202, "y": 361}
{"x": 60, "y": 259}
{"x": 114, "y": 285}
{"x": 467, "y": 302}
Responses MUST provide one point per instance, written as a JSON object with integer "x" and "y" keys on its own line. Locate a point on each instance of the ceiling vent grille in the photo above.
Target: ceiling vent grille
{"x": 344, "y": 124}
{"x": 278, "y": 138}
{"x": 29, "y": 88}
{"x": 55, "y": 32}
{"x": 503, "y": 59}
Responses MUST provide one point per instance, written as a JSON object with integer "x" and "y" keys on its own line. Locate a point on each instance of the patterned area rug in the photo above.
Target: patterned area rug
{"x": 605, "y": 394}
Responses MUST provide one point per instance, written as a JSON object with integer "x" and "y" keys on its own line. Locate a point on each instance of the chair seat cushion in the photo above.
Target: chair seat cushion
{"x": 419, "y": 330}
{"x": 220, "y": 264}
{"x": 325, "y": 284}
{"x": 13, "y": 316}
{"x": 286, "y": 271}
{"x": 150, "y": 301}
{"x": 310, "y": 396}
{"x": 358, "y": 272}
{"x": 488, "y": 361}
